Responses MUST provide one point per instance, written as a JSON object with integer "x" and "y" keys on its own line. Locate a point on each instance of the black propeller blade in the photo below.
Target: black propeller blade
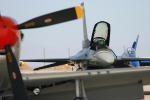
{"x": 53, "y": 18}
{"x": 18, "y": 88}
{"x": 51, "y": 65}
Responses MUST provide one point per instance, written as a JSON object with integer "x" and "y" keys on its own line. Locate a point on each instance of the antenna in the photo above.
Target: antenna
{"x": 44, "y": 55}
{"x": 69, "y": 52}
{"x": 124, "y": 47}
{"x": 86, "y": 40}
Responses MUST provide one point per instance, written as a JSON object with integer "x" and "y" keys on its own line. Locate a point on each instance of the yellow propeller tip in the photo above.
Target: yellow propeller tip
{"x": 79, "y": 12}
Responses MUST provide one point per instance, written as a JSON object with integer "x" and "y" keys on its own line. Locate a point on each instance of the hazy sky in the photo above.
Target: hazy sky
{"x": 128, "y": 18}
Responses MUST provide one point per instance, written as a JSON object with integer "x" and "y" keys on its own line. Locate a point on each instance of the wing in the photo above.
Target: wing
{"x": 46, "y": 60}
{"x": 145, "y": 63}
{"x": 52, "y": 65}
{"x": 55, "y": 62}
{"x": 124, "y": 62}
{"x": 101, "y": 78}
{"x": 133, "y": 59}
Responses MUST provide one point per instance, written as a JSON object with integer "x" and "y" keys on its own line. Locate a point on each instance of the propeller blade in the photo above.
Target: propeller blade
{"x": 53, "y": 18}
{"x": 51, "y": 65}
{"x": 18, "y": 87}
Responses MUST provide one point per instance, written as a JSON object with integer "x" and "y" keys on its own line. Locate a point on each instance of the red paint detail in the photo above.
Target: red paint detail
{"x": 9, "y": 33}
{"x": 14, "y": 76}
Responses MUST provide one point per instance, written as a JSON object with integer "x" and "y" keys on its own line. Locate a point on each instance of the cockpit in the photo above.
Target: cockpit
{"x": 100, "y": 35}
{"x": 99, "y": 43}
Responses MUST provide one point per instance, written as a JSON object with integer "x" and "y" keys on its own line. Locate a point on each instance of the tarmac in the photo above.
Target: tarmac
{"x": 147, "y": 88}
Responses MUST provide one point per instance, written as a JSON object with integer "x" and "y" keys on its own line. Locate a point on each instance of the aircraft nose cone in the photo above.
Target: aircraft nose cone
{"x": 105, "y": 57}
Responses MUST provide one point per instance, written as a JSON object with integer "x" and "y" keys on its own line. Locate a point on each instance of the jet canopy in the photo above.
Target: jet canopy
{"x": 100, "y": 36}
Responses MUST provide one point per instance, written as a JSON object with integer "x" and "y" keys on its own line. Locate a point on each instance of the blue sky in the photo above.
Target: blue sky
{"x": 128, "y": 18}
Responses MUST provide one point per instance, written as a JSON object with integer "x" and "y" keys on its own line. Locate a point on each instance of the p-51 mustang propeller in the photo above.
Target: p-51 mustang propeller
{"x": 96, "y": 53}
{"x": 10, "y": 38}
